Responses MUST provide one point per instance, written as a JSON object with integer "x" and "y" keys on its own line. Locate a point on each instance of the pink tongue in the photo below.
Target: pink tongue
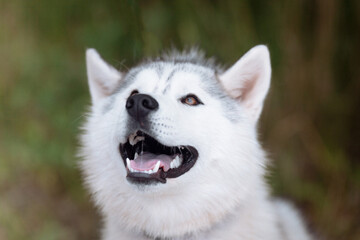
{"x": 147, "y": 161}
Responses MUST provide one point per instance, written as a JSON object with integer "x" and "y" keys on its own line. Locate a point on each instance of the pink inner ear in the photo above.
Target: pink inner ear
{"x": 103, "y": 78}
{"x": 248, "y": 80}
{"x": 247, "y": 88}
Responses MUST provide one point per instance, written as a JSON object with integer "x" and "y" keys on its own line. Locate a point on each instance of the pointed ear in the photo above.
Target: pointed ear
{"x": 248, "y": 80}
{"x": 103, "y": 78}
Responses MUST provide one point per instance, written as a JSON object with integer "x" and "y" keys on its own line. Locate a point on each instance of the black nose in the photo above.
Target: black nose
{"x": 140, "y": 105}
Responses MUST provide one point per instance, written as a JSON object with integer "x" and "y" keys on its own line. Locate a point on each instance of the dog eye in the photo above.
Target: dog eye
{"x": 134, "y": 92}
{"x": 191, "y": 100}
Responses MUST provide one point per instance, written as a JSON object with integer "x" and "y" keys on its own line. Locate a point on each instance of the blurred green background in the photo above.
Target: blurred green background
{"x": 310, "y": 124}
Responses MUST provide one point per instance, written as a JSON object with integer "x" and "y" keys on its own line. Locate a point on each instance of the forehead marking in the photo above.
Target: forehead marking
{"x": 159, "y": 69}
{"x": 168, "y": 80}
{"x": 202, "y": 73}
{"x": 160, "y": 81}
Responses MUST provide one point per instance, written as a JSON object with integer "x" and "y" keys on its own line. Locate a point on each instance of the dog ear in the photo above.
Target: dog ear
{"x": 103, "y": 78}
{"x": 248, "y": 80}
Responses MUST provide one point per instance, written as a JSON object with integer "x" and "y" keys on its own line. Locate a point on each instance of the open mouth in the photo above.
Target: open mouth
{"x": 148, "y": 161}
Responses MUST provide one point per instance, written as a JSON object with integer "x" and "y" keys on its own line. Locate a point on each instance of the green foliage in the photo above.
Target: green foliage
{"x": 310, "y": 123}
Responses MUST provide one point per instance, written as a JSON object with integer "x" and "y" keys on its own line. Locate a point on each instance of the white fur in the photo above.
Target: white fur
{"x": 224, "y": 196}
{"x": 103, "y": 78}
{"x": 249, "y": 79}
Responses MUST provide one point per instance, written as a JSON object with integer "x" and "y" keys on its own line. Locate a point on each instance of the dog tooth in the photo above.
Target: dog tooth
{"x": 132, "y": 139}
{"x": 172, "y": 164}
{"x": 176, "y": 162}
{"x": 136, "y": 155}
{"x": 139, "y": 138}
{"x": 127, "y": 162}
{"x": 157, "y": 166}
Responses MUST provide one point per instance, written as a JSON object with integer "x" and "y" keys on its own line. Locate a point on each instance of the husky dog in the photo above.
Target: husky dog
{"x": 170, "y": 150}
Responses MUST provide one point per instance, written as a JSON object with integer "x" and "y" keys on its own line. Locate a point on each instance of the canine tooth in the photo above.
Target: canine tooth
{"x": 139, "y": 138}
{"x": 136, "y": 155}
{"x": 128, "y": 162}
{"x": 175, "y": 162}
{"x": 157, "y": 166}
{"x": 132, "y": 139}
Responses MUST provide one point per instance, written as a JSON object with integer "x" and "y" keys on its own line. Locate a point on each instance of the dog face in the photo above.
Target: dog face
{"x": 169, "y": 140}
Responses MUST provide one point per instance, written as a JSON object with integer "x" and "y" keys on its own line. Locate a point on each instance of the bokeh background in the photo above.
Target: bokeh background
{"x": 310, "y": 124}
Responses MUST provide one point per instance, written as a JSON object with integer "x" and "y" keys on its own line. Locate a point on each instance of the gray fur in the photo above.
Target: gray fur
{"x": 192, "y": 60}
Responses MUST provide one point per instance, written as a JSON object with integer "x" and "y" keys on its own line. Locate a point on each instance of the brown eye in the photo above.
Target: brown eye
{"x": 191, "y": 100}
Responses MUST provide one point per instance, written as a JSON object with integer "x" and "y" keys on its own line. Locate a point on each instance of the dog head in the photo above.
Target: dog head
{"x": 170, "y": 139}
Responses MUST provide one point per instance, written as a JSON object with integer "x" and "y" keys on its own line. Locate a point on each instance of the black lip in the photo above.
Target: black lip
{"x": 189, "y": 153}
{"x": 145, "y": 179}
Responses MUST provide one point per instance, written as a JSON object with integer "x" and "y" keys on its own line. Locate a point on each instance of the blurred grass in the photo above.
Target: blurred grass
{"x": 309, "y": 125}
